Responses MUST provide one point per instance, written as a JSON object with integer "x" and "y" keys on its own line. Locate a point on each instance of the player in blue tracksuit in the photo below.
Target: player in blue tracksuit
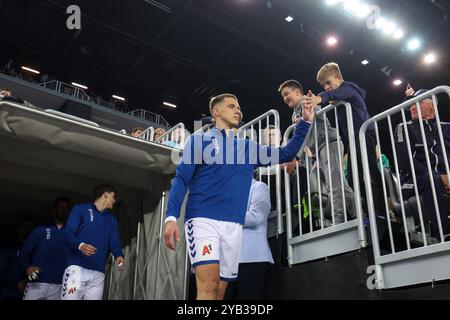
{"x": 43, "y": 256}
{"x": 91, "y": 233}
{"x": 217, "y": 168}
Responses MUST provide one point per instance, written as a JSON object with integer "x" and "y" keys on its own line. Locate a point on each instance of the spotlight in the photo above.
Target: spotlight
{"x": 429, "y": 58}
{"x": 79, "y": 85}
{"x": 30, "y": 70}
{"x": 118, "y": 97}
{"x": 389, "y": 27}
{"x": 414, "y": 44}
{"x": 365, "y": 62}
{"x": 362, "y": 11}
{"x": 332, "y": 41}
{"x": 357, "y": 8}
{"x": 289, "y": 19}
{"x": 397, "y": 82}
{"x": 398, "y": 34}
{"x": 171, "y": 105}
{"x": 380, "y": 23}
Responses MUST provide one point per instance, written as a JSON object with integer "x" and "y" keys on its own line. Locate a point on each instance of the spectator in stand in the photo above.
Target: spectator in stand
{"x": 256, "y": 257}
{"x": 412, "y": 132}
{"x": 5, "y": 92}
{"x": 336, "y": 88}
{"x": 6, "y": 95}
{"x": 159, "y": 132}
{"x": 44, "y": 78}
{"x": 136, "y": 132}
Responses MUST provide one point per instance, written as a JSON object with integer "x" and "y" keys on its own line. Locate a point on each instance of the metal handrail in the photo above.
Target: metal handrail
{"x": 204, "y": 128}
{"x": 150, "y": 116}
{"x": 403, "y": 268}
{"x": 148, "y": 134}
{"x": 304, "y": 150}
{"x": 362, "y": 136}
{"x": 73, "y": 91}
{"x": 169, "y": 136}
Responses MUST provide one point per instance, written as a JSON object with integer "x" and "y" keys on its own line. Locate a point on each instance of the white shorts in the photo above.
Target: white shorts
{"x": 82, "y": 284}
{"x": 212, "y": 241}
{"x": 42, "y": 291}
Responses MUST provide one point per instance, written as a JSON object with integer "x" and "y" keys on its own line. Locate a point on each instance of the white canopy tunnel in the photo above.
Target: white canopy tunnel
{"x": 158, "y": 272}
{"x": 45, "y": 156}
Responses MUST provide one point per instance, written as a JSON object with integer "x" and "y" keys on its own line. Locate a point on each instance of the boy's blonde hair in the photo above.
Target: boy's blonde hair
{"x": 328, "y": 70}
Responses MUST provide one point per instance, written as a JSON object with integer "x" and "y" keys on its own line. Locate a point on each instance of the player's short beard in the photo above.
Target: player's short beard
{"x": 233, "y": 125}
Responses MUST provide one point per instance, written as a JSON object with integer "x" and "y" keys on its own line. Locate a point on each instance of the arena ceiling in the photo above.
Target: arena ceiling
{"x": 185, "y": 51}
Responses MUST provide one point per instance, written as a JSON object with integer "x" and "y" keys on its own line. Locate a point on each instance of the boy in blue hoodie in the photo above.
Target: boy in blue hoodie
{"x": 217, "y": 169}
{"x": 337, "y": 89}
{"x": 91, "y": 233}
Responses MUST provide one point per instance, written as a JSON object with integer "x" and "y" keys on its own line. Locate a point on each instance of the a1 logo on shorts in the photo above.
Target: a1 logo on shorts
{"x": 206, "y": 249}
{"x": 69, "y": 282}
{"x": 72, "y": 290}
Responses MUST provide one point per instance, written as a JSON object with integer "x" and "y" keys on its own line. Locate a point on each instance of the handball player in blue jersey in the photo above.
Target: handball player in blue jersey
{"x": 91, "y": 233}
{"x": 44, "y": 254}
{"x": 216, "y": 169}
